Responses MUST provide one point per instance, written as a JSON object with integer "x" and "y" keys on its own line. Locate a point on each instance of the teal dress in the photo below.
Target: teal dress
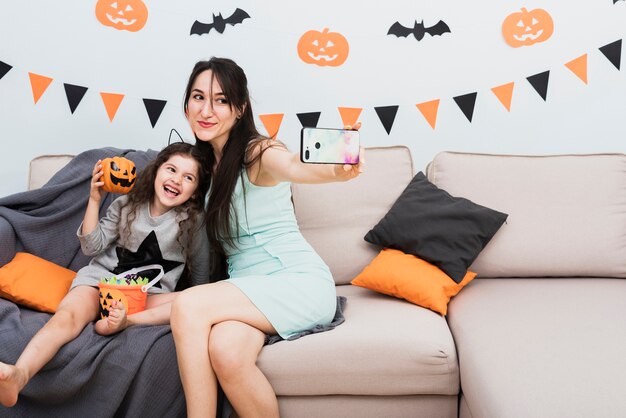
{"x": 272, "y": 263}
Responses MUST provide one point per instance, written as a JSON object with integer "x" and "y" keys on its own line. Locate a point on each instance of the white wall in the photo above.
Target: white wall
{"x": 66, "y": 42}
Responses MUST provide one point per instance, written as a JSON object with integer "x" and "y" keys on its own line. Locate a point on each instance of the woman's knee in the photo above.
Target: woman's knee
{"x": 225, "y": 361}
{"x": 232, "y": 349}
{"x": 187, "y": 309}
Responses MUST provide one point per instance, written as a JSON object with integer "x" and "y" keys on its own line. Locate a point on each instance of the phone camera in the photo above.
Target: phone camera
{"x": 306, "y": 155}
{"x": 317, "y": 145}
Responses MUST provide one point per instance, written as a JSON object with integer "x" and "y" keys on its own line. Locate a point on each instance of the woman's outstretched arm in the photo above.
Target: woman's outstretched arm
{"x": 277, "y": 164}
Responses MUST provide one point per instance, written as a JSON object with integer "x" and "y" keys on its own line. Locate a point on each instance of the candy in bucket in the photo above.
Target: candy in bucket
{"x": 128, "y": 288}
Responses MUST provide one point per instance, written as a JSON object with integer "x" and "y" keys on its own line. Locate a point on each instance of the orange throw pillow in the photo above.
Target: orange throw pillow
{"x": 408, "y": 277}
{"x": 34, "y": 282}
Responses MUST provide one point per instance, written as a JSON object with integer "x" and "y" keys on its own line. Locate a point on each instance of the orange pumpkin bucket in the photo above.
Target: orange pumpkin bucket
{"x": 124, "y": 290}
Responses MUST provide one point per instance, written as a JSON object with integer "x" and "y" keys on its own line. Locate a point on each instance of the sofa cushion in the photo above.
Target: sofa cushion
{"x": 541, "y": 347}
{"x": 35, "y": 282}
{"x": 346, "y": 211}
{"x": 567, "y": 213}
{"x": 386, "y": 346}
{"x": 406, "y": 276}
{"x": 429, "y": 223}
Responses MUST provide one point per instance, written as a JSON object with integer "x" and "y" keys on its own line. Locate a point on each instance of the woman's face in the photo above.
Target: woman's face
{"x": 209, "y": 113}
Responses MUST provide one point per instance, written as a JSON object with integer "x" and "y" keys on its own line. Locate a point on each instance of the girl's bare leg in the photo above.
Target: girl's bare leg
{"x": 233, "y": 349}
{"x": 194, "y": 312}
{"x": 157, "y": 312}
{"x": 79, "y": 307}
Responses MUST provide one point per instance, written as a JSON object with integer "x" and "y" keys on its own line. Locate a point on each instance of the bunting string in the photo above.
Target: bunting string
{"x": 349, "y": 115}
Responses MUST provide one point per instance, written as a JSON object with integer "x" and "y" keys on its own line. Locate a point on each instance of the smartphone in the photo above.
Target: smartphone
{"x": 329, "y": 146}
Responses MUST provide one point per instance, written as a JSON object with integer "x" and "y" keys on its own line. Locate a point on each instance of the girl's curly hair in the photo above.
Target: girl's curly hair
{"x": 143, "y": 192}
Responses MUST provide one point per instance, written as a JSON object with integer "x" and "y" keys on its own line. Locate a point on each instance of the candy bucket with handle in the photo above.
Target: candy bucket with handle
{"x": 132, "y": 296}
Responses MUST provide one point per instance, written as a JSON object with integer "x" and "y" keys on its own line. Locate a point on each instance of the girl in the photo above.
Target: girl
{"x": 278, "y": 284}
{"x": 158, "y": 222}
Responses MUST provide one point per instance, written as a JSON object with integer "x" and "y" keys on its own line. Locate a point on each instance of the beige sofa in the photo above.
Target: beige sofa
{"x": 540, "y": 333}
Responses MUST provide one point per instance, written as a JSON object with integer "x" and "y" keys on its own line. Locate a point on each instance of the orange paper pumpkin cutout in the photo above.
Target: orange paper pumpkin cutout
{"x": 119, "y": 175}
{"x": 323, "y": 48}
{"x": 130, "y": 15}
{"x": 526, "y": 28}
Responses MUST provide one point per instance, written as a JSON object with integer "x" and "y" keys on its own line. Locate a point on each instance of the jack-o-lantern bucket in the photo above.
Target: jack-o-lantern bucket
{"x": 129, "y": 289}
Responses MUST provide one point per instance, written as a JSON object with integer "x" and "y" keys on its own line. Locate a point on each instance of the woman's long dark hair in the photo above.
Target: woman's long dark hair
{"x": 143, "y": 192}
{"x": 235, "y": 155}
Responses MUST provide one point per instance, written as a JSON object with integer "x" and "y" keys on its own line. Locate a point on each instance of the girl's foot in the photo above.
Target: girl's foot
{"x": 115, "y": 322}
{"x": 12, "y": 380}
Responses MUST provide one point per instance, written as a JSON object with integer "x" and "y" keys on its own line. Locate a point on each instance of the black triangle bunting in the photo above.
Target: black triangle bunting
{"x": 613, "y": 52}
{"x": 74, "y": 95}
{"x": 387, "y": 114}
{"x": 4, "y": 68}
{"x": 540, "y": 83}
{"x": 466, "y": 103}
{"x": 309, "y": 120}
{"x": 154, "y": 108}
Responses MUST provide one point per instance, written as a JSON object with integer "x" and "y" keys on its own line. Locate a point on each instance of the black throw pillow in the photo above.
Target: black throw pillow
{"x": 444, "y": 230}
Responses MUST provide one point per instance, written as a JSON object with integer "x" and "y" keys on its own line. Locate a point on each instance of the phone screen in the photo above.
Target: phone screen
{"x": 329, "y": 146}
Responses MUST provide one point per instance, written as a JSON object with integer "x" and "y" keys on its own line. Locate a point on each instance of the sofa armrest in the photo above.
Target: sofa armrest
{"x": 9, "y": 242}
{"x": 43, "y": 167}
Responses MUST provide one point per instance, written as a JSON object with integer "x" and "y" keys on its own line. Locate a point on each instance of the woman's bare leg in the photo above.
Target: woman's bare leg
{"x": 194, "y": 312}
{"x": 157, "y": 312}
{"x": 79, "y": 307}
{"x": 233, "y": 349}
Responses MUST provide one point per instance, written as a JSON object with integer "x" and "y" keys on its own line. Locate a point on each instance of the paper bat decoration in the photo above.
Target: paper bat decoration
{"x": 219, "y": 23}
{"x": 418, "y": 30}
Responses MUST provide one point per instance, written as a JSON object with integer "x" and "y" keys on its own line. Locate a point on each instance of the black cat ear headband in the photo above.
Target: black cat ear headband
{"x": 169, "y": 140}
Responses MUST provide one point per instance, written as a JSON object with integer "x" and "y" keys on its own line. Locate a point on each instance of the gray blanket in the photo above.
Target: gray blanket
{"x": 131, "y": 374}
{"x": 43, "y": 222}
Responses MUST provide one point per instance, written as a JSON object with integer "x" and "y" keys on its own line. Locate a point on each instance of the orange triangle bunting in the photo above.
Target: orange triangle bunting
{"x": 111, "y": 102}
{"x": 504, "y": 93}
{"x": 39, "y": 84}
{"x": 349, "y": 115}
{"x": 429, "y": 111}
{"x": 579, "y": 67}
{"x": 272, "y": 123}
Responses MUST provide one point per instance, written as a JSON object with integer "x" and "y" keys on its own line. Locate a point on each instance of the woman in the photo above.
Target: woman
{"x": 278, "y": 284}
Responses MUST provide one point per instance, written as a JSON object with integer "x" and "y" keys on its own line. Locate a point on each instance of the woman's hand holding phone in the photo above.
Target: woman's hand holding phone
{"x": 349, "y": 171}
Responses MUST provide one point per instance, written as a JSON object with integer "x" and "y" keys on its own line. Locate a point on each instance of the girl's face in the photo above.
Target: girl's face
{"x": 208, "y": 111}
{"x": 176, "y": 181}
